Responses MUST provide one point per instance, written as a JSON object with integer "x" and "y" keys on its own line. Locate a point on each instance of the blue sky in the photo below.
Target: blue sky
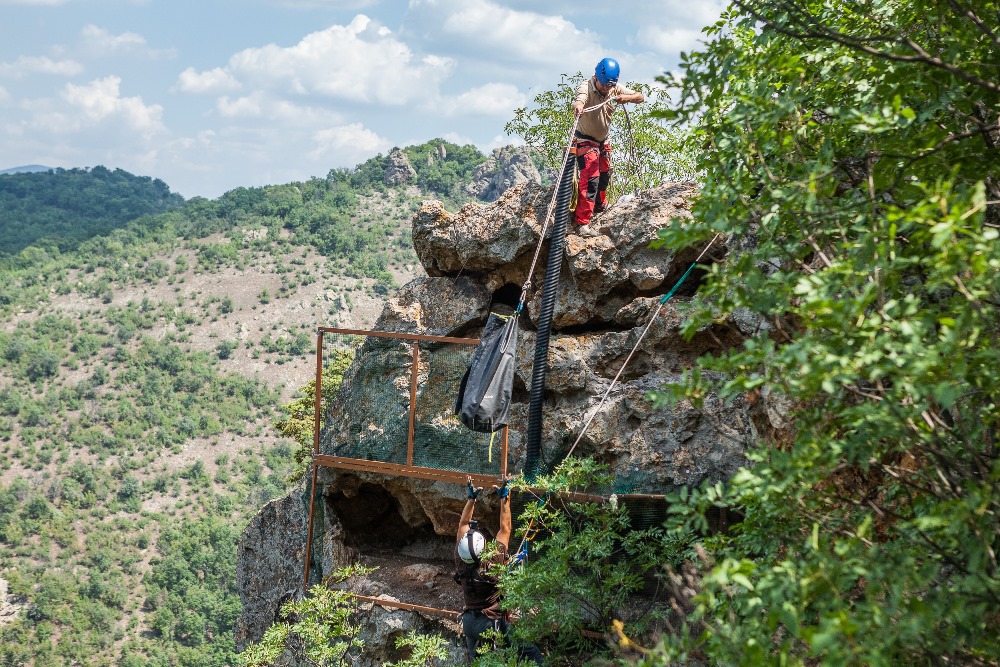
{"x": 216, "y": 94}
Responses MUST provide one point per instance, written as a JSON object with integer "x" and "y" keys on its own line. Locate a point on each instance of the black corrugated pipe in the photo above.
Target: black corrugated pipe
{"x": 533, "y": 436}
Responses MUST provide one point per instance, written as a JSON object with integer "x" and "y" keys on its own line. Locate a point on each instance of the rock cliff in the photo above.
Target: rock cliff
{"x": 478, "y": 259}
{"x": 503, "y": 169}
{"x": 398, "y": 170}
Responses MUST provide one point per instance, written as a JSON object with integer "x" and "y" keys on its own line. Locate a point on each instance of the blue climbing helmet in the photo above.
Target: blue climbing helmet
{"x": 607, "y": 72}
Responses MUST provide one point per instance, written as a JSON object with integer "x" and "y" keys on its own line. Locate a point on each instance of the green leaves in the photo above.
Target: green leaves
{"x": 321, "y": 622}
{"x": 851, "y": 171}
{"x": 660, "y": 151}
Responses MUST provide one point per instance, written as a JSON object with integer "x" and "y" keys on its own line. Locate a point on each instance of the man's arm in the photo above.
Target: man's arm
{"x": 637, "y": 98}
{"x": 503, "y": 536}
{"x": 580, "y": 101}
{"x": 470, "y": 506}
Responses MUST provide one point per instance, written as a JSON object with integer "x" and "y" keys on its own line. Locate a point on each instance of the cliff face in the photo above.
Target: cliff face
{"x": 476, "y": 259}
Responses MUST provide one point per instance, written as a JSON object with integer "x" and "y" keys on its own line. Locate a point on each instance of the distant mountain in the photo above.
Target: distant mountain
{"x": 25, "y": 169}
{"x": 67, "y": 206}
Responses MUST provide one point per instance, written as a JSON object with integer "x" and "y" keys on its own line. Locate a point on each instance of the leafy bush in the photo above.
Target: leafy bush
{"x": 862, "y": 225}
{"x": 647, "y": 150}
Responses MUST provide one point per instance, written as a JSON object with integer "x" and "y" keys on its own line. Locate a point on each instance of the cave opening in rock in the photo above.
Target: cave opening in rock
{"x": 372, "y": 519}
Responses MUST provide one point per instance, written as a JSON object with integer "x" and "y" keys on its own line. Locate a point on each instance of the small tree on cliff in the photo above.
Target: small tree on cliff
{"x": 646, "y": 150}
{"x": 299, "y": 424}
{"x": 853, "y": 154}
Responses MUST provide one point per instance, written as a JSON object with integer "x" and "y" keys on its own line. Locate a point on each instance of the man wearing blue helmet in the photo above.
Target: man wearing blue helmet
{"x": 593, "y": 155}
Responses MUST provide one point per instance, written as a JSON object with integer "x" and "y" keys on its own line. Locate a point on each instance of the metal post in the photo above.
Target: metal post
{"x": 317, "y": 416}
{"x": 413, "y": 403}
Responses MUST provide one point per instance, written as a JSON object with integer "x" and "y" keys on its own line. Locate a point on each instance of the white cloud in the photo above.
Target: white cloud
{"x": 511, "y": 34}
{"x": 26, "y": 65}
{"x": 683, "y": 31}
{"x": 216, "y": 80}
{"x": 99, "y": 38}
{"x": 352, "y": 139}
{"x": 359, "y": 62}
{"x": 280, "y": 112}
{"x": 101, "y": 99}
{"x": 669, "y": 40}
{"x": 98, "y": 41}
{"x": 249, "y": 106}
{"x": 492, "y": 99}
{"x": 4, "y": 95}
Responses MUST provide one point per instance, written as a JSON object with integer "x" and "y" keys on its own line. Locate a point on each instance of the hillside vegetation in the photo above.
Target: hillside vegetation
{"x": 64, "y": 207}
{"x": 141, "y": 373}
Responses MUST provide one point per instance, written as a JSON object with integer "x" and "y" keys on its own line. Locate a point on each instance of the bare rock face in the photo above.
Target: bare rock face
{"x": 398, "y": 170}
{"x": 269, "y": 562}
{"x": 609, "y": 289}
{"x": 10, "y": 605}
{"x": 503, "y": 169}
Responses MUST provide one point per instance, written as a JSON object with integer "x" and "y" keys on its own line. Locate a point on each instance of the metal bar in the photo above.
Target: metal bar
{"x": 318, "y": 398}
{"x": 413, "y": 402}
{"x": 403, "y": 336}
{"x": 317, "y": 409}
{"x": 503, "y": 453}
{"x": 309, "y": 536}
{"x": 457, "y": 477}
{"x": 406, "y": 606}
{"x": 364, "y": 465}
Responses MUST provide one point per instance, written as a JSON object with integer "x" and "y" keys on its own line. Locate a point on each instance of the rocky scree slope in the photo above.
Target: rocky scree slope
{"x": 476, "y": 259}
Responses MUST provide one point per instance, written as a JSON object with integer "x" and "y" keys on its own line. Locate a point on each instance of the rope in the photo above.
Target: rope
{"x": 637, "y": 343}
{"x": 552, "y": 203}
{"x": 529, "y": 533}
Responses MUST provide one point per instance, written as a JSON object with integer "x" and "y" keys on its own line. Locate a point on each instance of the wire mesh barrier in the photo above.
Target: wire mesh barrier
{"x": 390, "y": 404}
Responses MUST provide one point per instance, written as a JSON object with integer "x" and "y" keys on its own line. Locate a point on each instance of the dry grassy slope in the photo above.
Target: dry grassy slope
{"x": 332, "y": 301}
{"x": 304, "y": 291}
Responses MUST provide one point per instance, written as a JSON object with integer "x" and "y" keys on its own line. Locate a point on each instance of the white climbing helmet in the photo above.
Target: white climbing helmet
{"x": 471, "y": 546}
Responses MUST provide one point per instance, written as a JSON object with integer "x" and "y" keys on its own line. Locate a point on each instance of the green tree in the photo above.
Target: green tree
{"x": 300, "y": 420}
{"x": 319, "y": 623}
{"x": 851, "y": 160}
{"x": 586, "y": 561}
{"x": 425, "y": 650}
{"x": 646, "y": 149}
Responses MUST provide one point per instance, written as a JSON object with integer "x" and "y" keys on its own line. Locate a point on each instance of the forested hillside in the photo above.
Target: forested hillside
{"x": 141, "y": 373}
{"x": 62, "y": 207}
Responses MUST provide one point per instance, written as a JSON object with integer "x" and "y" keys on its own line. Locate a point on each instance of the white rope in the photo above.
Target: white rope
{"x": 629, "y": 358}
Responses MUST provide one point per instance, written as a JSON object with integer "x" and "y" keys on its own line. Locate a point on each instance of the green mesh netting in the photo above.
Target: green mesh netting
{"x": 368, "y": 415}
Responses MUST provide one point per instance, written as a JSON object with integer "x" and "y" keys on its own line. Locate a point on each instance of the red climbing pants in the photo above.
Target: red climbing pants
{"x": 594, "y": 162}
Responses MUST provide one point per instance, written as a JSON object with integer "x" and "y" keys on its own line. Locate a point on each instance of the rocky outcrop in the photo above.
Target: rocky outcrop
{"x": 610, "y": 286}
{"x": 503, "y": 169}
{"x": 10, "y": 605}
{"x": 398, "y": 169}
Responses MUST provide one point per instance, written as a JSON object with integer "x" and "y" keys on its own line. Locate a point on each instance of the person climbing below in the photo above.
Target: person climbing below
{"x": 482, "y": 596}
{"x": 593, "y": 155}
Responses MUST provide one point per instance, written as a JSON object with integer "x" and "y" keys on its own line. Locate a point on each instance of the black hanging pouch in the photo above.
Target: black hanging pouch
{"x": 484, "y": 396}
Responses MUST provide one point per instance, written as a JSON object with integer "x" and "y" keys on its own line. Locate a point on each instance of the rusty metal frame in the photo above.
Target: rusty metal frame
{"x": 408, "y": 469}
{"x": 364, "y": 465}
{"x": 408, "y": 606}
